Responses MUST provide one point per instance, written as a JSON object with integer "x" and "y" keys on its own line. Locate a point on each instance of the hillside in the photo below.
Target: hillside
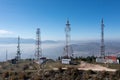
{"x": 54, "y": 70}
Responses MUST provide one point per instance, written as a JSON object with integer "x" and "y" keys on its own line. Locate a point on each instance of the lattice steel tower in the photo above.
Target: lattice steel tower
{"x": 102, "y": 40}
{"x": 18, "y": 50}
{"x": 67, "y": 31}
{"x": 38, "y": 53}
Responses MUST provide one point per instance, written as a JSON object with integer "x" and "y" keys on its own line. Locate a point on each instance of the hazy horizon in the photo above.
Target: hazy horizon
{"x": 54, "y": 50}
{"x": 28, "y": 50}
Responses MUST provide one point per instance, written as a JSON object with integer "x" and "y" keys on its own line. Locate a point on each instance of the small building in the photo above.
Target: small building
{"x": 100, "y": 60}
{"x": 66, "y": 61}
{"x": 107, "y": 59}
{"x": 111, "y": 59}
{"x": 41, "y": 60}
{"x": 13, "y": 61}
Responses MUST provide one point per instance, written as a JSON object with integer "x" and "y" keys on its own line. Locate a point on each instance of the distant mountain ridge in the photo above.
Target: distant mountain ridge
{"x": 93, "y": 48}
{"x": 56, "y": 48}
{"x": 22, "y": 40}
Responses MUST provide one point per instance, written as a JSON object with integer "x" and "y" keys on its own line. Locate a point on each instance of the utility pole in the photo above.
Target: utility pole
{"x": 6, "y": 55}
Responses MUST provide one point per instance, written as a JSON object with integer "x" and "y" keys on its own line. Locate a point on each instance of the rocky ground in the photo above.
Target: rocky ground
{"x": 54, "y": 70}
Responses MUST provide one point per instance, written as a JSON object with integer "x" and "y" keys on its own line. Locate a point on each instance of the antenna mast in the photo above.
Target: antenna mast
{"x": 67, "y": 31}
{"x": 102, "y": 40}
{"x": 18, "y": 49}
{"x": 38, "y": 45}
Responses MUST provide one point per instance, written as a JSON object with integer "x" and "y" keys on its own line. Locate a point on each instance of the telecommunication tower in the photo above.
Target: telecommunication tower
{"x": 67, "y": 31}
{"x": 38, "y": 53}
{"x": 102, "y": 40}
{"x": 18, "y": 50}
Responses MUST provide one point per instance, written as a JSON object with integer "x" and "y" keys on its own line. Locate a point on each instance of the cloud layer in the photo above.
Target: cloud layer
{"x": 2, "y": 32}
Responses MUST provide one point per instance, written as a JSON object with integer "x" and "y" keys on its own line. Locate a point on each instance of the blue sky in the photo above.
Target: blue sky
{"x": 22, "y": 17}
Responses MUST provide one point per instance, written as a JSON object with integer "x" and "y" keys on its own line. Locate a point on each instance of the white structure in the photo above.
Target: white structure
{"x": 107, "y": 59}
{"x": 66, "y": 61}
{"x": 100, "y": 60}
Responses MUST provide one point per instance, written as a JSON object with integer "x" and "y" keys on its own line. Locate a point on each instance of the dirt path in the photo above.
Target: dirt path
{"x": 88, "y": 66}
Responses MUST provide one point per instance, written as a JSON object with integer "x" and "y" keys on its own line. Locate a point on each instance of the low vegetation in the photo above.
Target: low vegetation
{"x": 69, "y": 74}
{"x": 28, "y": 70}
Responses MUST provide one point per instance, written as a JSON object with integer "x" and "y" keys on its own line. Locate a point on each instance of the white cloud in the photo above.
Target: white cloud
{"x": 2, "y": 32}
